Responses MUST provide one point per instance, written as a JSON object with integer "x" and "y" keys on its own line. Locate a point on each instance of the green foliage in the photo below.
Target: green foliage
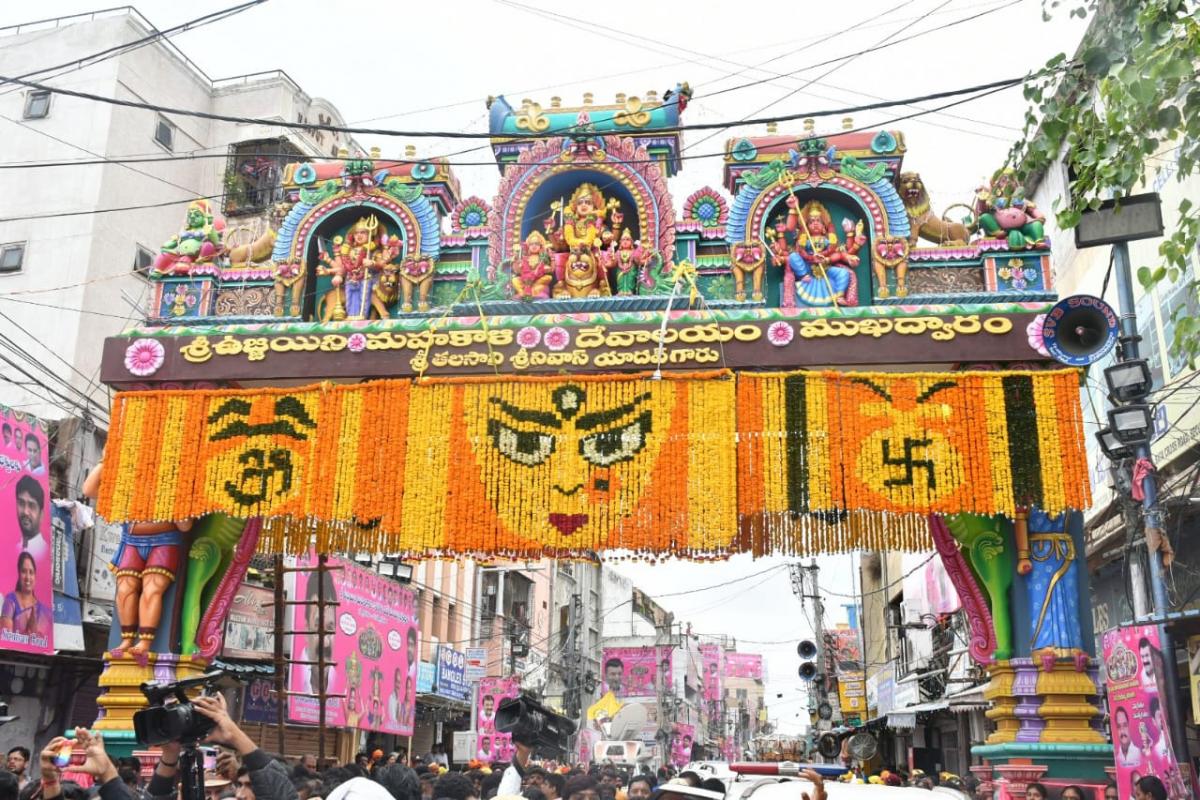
{"x": 1127, "y": 104}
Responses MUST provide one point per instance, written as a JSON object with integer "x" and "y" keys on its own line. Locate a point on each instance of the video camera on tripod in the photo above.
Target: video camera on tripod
{"x": 171, "y": 717}
{"x": 534, "y": 725}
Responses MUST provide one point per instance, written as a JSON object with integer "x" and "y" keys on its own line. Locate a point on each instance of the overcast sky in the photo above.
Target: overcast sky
{"x": 430, "y": 66}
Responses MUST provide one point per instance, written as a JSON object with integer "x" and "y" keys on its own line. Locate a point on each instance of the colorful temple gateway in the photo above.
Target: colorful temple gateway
{"x": 802, "y": 359}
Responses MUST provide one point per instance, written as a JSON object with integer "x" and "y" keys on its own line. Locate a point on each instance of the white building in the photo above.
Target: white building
{"x": 68, "y": 275}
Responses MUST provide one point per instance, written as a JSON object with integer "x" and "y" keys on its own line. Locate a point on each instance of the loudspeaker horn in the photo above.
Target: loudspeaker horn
{"x": 807, "y": 649}
{"x": 1080, "y": 330}
{"x": 808, "y": 671}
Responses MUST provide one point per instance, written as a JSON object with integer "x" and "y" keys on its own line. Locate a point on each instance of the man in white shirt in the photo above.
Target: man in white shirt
{"x": 1127, "y": 754}
{"x": 304, "y": 676}
{"x": 31, "y": 507}
{"x": 33, "y": 450}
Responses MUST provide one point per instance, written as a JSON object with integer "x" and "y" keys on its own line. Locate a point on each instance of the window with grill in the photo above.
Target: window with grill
{"x": 12, "y": 257}
{"x": 143, "y": 259}
{"x": 37, "y": 104}
{"x": 164, "y": 134}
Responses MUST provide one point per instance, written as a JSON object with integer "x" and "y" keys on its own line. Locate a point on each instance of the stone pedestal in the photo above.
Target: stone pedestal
{"x": 122, "y": 695}
{"x": 1069, "y": 706}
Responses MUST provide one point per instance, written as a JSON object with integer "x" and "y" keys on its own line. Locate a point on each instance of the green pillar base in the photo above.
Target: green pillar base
{"x": 1074, "y": 761}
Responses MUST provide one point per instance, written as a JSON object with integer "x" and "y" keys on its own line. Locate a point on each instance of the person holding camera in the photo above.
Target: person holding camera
{"x": 259, "y": 778}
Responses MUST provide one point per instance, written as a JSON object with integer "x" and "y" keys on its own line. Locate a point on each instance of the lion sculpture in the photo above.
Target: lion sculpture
{"x": 924, "y": 223}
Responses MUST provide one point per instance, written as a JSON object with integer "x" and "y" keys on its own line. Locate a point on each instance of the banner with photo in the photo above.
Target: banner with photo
{"x": 250, "y": 626}
{"x": 68, "y": 610}
{"x": 27, "y": 609}
{"x": 1133, "y": 662}
{"x": 710, "y": 659}
{"x": 682, "y": 737}
{"x": 632, "y": 671}
{"x": 744, "y": 665}
{"x": 259, "y": 703}
{"x": 490, "y": 745}
{"x": 372, "y": 652}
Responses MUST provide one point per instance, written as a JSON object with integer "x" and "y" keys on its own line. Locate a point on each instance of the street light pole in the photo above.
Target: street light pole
{"x": 1152, "y": 514}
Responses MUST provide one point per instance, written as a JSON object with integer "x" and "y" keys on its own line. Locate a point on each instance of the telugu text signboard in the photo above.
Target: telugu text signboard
{"x": 770, "y": 338}
{"x": 451, "y": 677}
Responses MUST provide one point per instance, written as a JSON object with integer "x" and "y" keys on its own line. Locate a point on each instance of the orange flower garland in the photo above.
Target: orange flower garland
{"x": 697, "y": 464}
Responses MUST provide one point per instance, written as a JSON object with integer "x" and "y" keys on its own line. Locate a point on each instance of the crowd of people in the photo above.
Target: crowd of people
{"x": 243, "y": 771}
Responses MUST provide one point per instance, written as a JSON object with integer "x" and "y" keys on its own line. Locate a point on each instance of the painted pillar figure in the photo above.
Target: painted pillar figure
{"x": 1053, "y": 587}
{"x": 1043, "y": 673}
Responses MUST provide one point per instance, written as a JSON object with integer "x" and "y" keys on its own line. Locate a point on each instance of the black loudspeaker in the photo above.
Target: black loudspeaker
{"x": 807, "y": 649}
{"x": 829, "y": 745}
{"x": 1080, "y": 330}
{"x": 532, "y": 724}
{"x": 808, "y": 671}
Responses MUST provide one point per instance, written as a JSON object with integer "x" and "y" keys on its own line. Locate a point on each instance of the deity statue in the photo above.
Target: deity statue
{"x": 746, "y": 258}
{"x": 416, "y": 273}
{"x": 145, "y": 565}
{"x": 289, "y": 288}
{"x": 198, "y": 243}
{"x": 1053, "y": 585}
{"x": 1004, "y": 213}
{"x": 532, "y": 275}
{"x": 628, "y": 259}
{"x": 583, "y": 277}
{"x": 584, "y": 217}
{"x": 823, "y": 266}
{"x": 356, "y": 266}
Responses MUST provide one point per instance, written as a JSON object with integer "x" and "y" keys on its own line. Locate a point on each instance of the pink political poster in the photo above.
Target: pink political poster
{"x": 710, "y": 661}
{"x": 27, "y": 609}
{"x": 632, "y": 671}
{"x": 490, "y": 745}
{"x": 372, "y": 654}
{"x": 744, "y": 665}
{"x": 682, "y": 738}
{"x": 1133, "y": 663}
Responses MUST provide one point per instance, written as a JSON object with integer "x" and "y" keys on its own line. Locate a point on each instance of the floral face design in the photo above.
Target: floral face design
{"x": 569, "y": 467}
{"x": 268, "y": 439}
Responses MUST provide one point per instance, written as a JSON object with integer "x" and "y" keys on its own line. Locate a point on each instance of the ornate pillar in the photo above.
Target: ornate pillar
{"x": 1027, "y": 582}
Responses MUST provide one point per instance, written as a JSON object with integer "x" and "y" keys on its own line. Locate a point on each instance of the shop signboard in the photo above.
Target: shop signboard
{"x": 451, "y": 678}
{"x": 426, "y": 677}
{"x": 250, "y": 626}
{"x": 476, "y": 663}
{"x": 259, "y": 703}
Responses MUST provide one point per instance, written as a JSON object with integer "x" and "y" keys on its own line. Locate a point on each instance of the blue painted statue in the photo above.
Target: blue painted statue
{"x": 1053, "y": 584}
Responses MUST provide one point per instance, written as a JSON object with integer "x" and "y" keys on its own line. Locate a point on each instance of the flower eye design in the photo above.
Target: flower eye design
{"x": 528, "y": 448}
{"x": 608, "y": 447}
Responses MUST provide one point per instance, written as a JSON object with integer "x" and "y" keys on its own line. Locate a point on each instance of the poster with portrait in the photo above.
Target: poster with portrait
{"x": 1133, "y": 662}
{"x": 26, "y": 583}
{"x": 682, "y": 738}
{"x": 492, "y": 746}
{"x": 710, "y": 662}
{"x": 744, "y": 665}
{"x": 634, "y": 671}
{"x": 372, "y": 652}
{"x": 250, "y": 626}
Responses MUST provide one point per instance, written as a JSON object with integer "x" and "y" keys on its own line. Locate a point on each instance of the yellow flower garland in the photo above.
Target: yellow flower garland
{"x": 694, "y": 464}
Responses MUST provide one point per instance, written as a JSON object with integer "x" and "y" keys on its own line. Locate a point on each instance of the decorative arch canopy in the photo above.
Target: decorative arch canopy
{"x": 703, "y": 464}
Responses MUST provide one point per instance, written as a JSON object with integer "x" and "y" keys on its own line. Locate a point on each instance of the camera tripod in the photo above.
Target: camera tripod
{"x": 191, "y": 771}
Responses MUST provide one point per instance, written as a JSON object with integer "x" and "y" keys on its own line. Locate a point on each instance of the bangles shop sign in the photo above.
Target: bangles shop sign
{"x": 555, "y": 348}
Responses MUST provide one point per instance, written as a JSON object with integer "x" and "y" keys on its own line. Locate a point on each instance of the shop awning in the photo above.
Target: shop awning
{"x": 440, "y": 701}
{"x": 906, "y": 718}
{"x": 969, "y": 699}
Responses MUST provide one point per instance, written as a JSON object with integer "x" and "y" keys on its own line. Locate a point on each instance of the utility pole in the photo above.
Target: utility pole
{"x": 1152, "y": 513}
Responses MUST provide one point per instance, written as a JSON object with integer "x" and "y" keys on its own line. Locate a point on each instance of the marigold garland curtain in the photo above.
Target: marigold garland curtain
{"x": 699, "y": 464}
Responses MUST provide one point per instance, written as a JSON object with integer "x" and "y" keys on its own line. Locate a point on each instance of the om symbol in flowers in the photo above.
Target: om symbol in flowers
{"x": 254, "y": 452}
{"x": 907, "y": 456}
{"x": 581, "y": 457}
